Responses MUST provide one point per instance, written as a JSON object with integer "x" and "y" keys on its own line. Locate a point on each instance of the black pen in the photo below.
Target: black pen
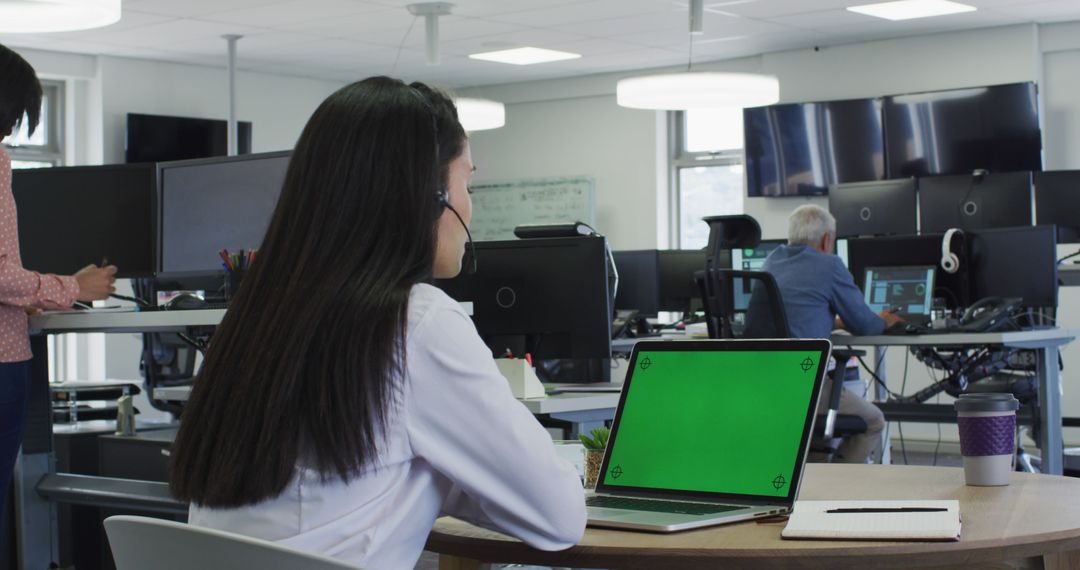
{"x": 889, "y": 510}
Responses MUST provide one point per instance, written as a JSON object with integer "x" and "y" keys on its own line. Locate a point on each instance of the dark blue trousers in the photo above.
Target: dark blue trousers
{"x": 14, "y": 388}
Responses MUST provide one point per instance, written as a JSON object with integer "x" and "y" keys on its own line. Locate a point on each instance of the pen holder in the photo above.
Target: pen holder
{"x": 522, "y": 377}
{"x": 231, "y": 283}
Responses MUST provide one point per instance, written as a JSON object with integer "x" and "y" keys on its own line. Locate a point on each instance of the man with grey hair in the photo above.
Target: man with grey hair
{"x": 820, "y": 295}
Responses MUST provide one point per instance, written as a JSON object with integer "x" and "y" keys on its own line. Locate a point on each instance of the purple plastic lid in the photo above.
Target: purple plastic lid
{"x": 986, "y": 402}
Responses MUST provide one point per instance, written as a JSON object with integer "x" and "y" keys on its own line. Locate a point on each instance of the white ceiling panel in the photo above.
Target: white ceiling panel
{"x": 769, "y": 9}
{"x": 586, "y": 11}
{"x": 291, "y": 11}
{"x": 338, "y": 39}
{"x": 193, "y": 8}
{"x": 1056, "y": 11}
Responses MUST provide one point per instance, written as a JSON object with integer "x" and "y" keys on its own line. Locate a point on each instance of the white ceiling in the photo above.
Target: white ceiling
{"x": 349, "y": 39}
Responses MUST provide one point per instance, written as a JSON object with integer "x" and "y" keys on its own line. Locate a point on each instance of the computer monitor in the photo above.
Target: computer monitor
{"x": 652, "y": 280}
{"x": 216, "y": 203}
{"x": 921, "y": 250}
{"x": 752, "y": 258}
{"x": 639, "y": 283}
{"x": 1015, "y": 262}
{"x": 678, "y": 290}
{"x": 546, "y": 296}
{"x": 70, "y": 217}
{"x": 160, "y": 138}
{"x": 1057, "y": 202}
{"x": 884, "y": 207}
{"x": 908, "y": 290}
{"x": 975, "y": 202}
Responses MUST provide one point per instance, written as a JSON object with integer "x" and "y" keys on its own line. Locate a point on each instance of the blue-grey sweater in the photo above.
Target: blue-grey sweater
{"x": 816, "y": 287}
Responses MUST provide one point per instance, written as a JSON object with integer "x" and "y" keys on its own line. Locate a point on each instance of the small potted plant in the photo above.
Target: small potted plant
{"x": 594, "y": 453}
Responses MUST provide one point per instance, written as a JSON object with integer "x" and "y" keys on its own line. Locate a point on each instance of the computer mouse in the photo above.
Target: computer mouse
{"x": 185, "y": 302}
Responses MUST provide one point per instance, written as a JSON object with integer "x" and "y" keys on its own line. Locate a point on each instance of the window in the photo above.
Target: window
{"x": 45, "y": 147}
{"x": 707, "y": 171}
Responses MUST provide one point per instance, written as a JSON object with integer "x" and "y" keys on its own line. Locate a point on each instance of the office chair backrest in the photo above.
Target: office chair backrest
{"x": 742, "y": 304}
{"x": 138, "y": 543}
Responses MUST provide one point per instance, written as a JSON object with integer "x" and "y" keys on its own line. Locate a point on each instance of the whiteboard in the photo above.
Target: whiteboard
{"x": 499, "y": 207}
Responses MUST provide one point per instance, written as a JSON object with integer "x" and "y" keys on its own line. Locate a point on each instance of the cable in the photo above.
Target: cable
{"x": 892, "y": 395}
{"x": 393, "y": 70}
{"x": 135, "y": 300}
{"x": 900, "y": 425}
{"x": 196, "y": 344}
{"x": 1070, "y": 256}
{"x": 937, "y": 446}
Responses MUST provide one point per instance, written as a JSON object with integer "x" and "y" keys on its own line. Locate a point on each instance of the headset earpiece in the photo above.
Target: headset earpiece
{"x": 442, "y": 201}
{"x": 950, "y": 262}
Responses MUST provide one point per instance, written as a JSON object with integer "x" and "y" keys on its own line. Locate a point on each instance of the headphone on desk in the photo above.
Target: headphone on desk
{"x": 950, "y": 262}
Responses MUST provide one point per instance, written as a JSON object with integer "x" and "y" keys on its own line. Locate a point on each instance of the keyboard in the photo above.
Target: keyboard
{"x": 656, "y": 506}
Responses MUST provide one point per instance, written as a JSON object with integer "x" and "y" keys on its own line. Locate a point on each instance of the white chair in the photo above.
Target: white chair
{"x": 139, "y": 543}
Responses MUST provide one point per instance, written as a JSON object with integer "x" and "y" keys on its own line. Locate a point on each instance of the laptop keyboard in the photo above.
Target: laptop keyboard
{"x": 655, "y": 506}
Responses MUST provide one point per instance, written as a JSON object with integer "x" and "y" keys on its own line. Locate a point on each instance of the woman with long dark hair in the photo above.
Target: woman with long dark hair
{"x": 21, "y": 290}
{"x": 345, "y": 403}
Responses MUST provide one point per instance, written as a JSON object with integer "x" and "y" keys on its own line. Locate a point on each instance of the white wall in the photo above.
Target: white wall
{"x": 277, "y": 105}
{"x": 583, "y": 136}
{"x": 1047, "y": 54}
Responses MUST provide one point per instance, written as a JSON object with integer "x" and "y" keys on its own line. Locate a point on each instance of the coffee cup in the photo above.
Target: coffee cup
{"x": 987, "y": 425}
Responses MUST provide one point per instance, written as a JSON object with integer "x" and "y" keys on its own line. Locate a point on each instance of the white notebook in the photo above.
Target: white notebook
{"x": 874, "y": 520}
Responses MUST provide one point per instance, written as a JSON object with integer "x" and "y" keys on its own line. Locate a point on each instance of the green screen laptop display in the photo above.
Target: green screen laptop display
{"x": 713, "y": 421}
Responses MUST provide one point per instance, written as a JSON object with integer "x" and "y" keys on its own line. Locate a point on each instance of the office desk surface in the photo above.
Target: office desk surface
{"x": 1019, "y": 339}
{"x": 123, "y": 321}
{"x": 572, "y": 402}
{"x": 1034, "y": 516}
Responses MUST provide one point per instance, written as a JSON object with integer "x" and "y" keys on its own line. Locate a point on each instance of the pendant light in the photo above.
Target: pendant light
{"x": 697, "y": 89}
{"x": 39, "y": 16}
{"x": 474, "y": 114}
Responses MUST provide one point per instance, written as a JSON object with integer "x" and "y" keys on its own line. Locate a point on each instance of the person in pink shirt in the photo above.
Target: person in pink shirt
{"x": 23, "y": 291}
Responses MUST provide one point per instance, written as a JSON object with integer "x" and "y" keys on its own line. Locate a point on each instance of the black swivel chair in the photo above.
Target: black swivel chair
{"x": 748, "y": 304}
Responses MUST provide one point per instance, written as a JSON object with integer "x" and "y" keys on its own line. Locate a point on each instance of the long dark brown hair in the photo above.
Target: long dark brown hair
{"x": 311, "y": 349}
{"x": 20, "y": 92}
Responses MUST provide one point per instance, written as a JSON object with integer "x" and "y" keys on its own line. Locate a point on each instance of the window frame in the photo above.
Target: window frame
{"x": 52, "y": 151}
{"x": 681, "y": 158}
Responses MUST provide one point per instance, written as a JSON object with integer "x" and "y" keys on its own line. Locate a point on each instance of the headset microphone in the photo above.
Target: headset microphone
{"x": 472, "y": 246}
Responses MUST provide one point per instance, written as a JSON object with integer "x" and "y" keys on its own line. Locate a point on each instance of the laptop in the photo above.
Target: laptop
{"x": 908, "y": 290}
{"x": 709, "y": 432}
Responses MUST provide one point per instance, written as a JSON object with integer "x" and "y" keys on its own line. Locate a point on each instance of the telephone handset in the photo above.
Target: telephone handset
{"x": 988, "y": 314}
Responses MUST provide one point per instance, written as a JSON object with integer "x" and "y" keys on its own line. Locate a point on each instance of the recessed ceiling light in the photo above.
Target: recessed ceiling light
{"x": 525, "y": 55}
{"x": 37, "y": 16}
{"x": 911, "y": 9}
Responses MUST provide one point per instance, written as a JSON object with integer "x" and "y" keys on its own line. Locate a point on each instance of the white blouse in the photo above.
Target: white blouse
{"x": 458, "y": 443}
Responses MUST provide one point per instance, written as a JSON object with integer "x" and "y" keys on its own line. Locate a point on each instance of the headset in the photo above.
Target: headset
{"x": 950, "y": 262}
{"x": 442, "y": 197}
{"x": 442, "y": 202}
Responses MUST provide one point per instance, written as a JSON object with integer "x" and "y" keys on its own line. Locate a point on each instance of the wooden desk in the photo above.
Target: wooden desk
{"x": 1034, "y": 521}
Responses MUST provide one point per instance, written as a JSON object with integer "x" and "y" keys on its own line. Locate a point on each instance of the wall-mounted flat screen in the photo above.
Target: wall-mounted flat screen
{"x": 993, "y": 128}
{"x": 800, "y": 149}
{"x": 160, "y": 138}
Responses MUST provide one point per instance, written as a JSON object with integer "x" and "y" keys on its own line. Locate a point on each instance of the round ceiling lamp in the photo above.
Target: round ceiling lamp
{"x": 697, "y": 90}
{"x": 38, "y": 16}
{"x": 480, "y": 114}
